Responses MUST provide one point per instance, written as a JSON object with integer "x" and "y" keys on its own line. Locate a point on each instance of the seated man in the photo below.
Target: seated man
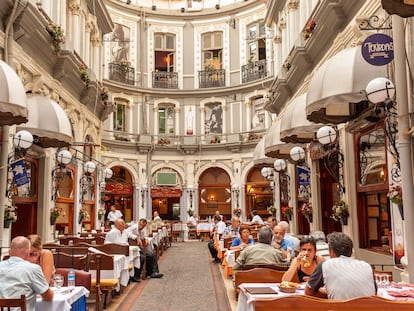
{"x": 137, "y": 231}
{"x": 262, "y": 252}
{"x": 21, "y": 277}
{"x": 157, "y": 217}
{"x": 119, "y": 235}
{"x": 342, "y": 277}
{"x": 192, "y": 221}
{"x": 256, "y": 220}
{"x": 289, "y": 236}
{"x": 280, "y": 242}
{"x": 218, "y": 228}
{"x": 232, "y": 230}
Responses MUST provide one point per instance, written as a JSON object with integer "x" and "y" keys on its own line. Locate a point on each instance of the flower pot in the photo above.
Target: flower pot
{"x": 53, "y": 220}
{"x": 6, "y": 223}
{"x": 309, "y": 218}
{"x": 401, "y": 209}
{"x": 344, "y": 221}
{"x": 80, "y": 219}
{"x": 289, "y": 217}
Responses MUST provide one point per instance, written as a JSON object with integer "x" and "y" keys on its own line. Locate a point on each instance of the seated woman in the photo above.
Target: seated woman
{"x": 305, "y": 263}
{"x": 42, "y": 257}
{"x": 239, "y": 243}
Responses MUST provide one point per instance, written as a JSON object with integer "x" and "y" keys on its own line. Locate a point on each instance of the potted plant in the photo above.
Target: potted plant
{"x": 83, "y": 215}
{"x": 101, "y": 212}
{"x": 395, "y": 196}
{"x": 124, "y": 66}
{"x": 340, "y": 212}
{"x": 287, "y": 211}
{"x": 190, "y": 212}
{"x": 10, "y": 215}
{"x": 237, "y": 211}
{"x": 55, "y": 212}
{"x": 309, "y": 27}
{"x": 57, "y": 35}
{"x": 306, "y": 210}
{"x": 272, "y": 210}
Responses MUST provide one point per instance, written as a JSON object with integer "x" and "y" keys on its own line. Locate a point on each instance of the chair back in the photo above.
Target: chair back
{"x": 257, "y": 275}
{"x": 266, "y": 265}
{"x": 82, "y": 278}
{"x": 113, "y": 249}
{"x": 63, "y": 260}
{"x": 8, "y": 304}
{"x": 302, "y": 303}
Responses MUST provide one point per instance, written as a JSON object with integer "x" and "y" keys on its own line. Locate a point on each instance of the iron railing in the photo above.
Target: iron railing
{"x": 164, "y": 80}
{"x": 254, "y": 71}
{"x": 211, "y": 78}
{"x": 122, "y": 73}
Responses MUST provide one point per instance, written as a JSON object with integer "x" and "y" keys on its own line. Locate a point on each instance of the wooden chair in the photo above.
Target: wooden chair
{"x": 176, "y": 230}
{"x": 82, "y": 278}
{"x": 266, "y": 265}
{"x": 302, "y": 303}
{"x": 63, "y": 260}
{"x": 102, "y": 288}
{"x": 113, "y": 249}
{"x": 256, "y": 275}
{"x": 8, "y": 304}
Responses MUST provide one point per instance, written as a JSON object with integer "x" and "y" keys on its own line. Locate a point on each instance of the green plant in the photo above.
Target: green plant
{"x": 101, "y": 212}
{"x": 190, "y": 212}
{"x": 56, "y": 211}
{"x": 10, "y": 213}
{"x": 287, "y": 210}
{"x": 237, "y": 211}
{"x": 340, "y": 210}
{"x": 272, "y": 210}
{"x": 57, "y": 34}
{"x": 84, "y": 74}
{"x": 395, "y": 194}
{"x": 306, "y": 209}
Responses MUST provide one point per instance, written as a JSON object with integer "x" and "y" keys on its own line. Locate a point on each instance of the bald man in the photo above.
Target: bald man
{"x": 21, "y": 277}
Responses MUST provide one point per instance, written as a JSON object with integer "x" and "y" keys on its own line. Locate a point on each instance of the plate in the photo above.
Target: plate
{"x": 301, "y": 286}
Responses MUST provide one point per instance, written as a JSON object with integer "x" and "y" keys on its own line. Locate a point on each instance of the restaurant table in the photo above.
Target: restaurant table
{"x": 246, "y": 299}
{"x": 64, "y": 300}
{"x": 203, "y": 230}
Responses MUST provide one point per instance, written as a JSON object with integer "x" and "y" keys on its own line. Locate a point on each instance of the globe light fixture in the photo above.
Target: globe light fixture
{"x": 326, "y": 135}
{"x": 297, "y": 154}
{"x": 108, "y": 173}
{"x": 89, "y": 167}
{"x": 23, "y": 140}
{"x": 279, "y": 165}
{"x": 380, "y": 90}
{"x": 64, "y": 157}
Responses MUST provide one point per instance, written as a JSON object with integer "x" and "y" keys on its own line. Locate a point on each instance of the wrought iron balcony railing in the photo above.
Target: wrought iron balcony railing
{"x": 122, "y": 73}
{"x": 164, "y": 80}
{"x": 211, "y": 78}
{"x": 254, "y": 71}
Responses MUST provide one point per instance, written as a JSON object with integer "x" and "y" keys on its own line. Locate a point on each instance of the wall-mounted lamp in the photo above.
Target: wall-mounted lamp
{"x": 267, "y": 172}
{"x": 144, "y": 191}
{"x": 86, "y": 181}
{"x": 284, "y": 180}
{"x": 22, "y": 141}
{"x": 190, "y": 190}
{"x": 107, "y": 174}
{"x": 334, "y": 159}
{"x": 381, "y": 92}
{"x": 63, "y": 158}
{"x": 279, "y": 165}
{"x": 236, "y": 191}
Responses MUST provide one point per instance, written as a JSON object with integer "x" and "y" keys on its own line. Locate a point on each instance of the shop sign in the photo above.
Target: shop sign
{"x": 119, "y": 188}
{"x": 317, "y": 151}
{"x": 378, "y": 49}
{"x": 166, "y": 193}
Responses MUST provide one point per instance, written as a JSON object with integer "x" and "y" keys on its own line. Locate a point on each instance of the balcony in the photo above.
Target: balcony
{"x": 254, "y": 71}
{"x": 211, "y": 78}
{"x": 122, "y": 73}
{"x": 164, "y": 80}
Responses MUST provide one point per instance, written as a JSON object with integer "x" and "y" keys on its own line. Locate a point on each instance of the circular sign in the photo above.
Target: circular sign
{"x": 378, "y": 49}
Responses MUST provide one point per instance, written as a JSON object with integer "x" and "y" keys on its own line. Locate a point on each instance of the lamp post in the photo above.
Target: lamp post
{"x": 144, "y": 191}
{"x": 63, "y": 158}
{"x": 236, "y": 190}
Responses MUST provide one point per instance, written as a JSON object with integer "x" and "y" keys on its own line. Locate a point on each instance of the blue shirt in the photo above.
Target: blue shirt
{"x": 237, "y": 242}
{"x": 286, "y": 243}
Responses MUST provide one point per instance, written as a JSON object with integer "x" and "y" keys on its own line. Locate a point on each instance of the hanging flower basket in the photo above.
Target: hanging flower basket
{"x": 237, "y": 211}
{"x": 340, "y": 211}
{"x": 309, "y": 218}
{"x": 6, "y": 223}
{"x": 287, "y": 211}
{"x": 52, "y": 220}
{"x": 344, "y": 221}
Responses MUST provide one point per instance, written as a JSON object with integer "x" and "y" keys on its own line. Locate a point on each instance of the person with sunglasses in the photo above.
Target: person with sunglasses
{"x": 305, "y": 263}
{"x": 41, "y": 257}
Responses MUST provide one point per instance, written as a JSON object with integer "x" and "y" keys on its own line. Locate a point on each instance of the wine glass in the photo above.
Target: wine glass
{"x": 58, "y": 280}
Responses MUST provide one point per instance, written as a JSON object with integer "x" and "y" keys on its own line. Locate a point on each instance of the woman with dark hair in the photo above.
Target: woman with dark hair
{"x": 239, "y": 243}
{"x": 306, "y": 261}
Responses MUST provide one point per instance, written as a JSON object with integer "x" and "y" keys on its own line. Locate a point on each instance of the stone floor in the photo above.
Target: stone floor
{"x": 191, "y": 282}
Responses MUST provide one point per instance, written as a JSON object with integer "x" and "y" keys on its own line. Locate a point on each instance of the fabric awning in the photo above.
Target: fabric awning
{"x": 341, "y": 80}
{"x": 274, "y": 147}
{"x": 13, "y": 108}
{"x": 295, "y": 128}
{"x": 48, "y": 122}
{"x": 259, "y": 157}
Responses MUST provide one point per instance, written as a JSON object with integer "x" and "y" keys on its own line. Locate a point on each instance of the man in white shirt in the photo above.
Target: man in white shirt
{"x": 113, "y": 214}
{"x": 157, "y": 216}
{"x": 137, "y": 231}
{"x": 218, "y": 228}
{"x": 192, "y": 220}
{"x": 256, "y": 218}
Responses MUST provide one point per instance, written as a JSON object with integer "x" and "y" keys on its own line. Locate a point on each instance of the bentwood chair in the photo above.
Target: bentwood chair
{"x": 8, "y": 304}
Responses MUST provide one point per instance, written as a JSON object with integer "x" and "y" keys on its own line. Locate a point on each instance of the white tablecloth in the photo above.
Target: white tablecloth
{"x": 62, "y": 300}
{"x": 204, "y": 226}
{"x": 230, "y": 258}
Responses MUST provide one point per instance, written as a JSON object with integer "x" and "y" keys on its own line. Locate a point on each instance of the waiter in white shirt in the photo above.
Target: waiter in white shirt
{"x": 113, "y": 215}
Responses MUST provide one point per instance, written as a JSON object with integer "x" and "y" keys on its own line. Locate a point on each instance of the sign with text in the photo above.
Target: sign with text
{"x": 378, "y": 49}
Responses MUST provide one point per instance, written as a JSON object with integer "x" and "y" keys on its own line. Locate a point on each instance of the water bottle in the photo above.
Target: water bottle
{"x": 71, "y": 279}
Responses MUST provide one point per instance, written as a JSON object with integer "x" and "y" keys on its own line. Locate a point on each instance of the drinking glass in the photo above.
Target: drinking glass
{"x": 58, "y": 280}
